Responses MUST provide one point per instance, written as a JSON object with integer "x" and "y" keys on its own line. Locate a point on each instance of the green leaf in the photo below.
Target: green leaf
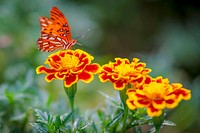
{"x": 50, "y": 119}
{"x": 66, "y": 118}
{"x": 85, "y": 126}
{"x": 42, "y": 117}
{"x": 39, "y": 128}
{"x": 115, "y": 120}
{"x": 101, "y": 115}
{"x": 57, "y": 122}
{"x": 94, "y": 128}
{"x": 10, "y": 96}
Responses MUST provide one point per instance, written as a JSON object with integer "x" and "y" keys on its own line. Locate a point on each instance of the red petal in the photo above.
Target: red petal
{"x": 172, "y": 103}
{"x": 151, "y": 111}
{"x": 60, "y": 75}
{"x": 120, "y": 84}
{"x": 144, "y": 102}
{"x": 92, "y": 68}
{"x": 70, "y": 80}
{"x": 85, "y": 76}
{"x": 50, "y": 77}
{"x": 147, "y": 80}
{"x": 107, "y": 69}
{"x": 159, "y": 104}
{"x": 103, "y": 77}
{"x": 42, "y": 69}
{"x": 56, "y": 58}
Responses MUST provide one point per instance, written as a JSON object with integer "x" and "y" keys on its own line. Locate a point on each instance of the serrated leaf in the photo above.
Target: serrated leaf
{"x": 85, "y": 126}
{"x": 77, "y": 122}
{"x": 66, "y": 119}
{"x": 50, "y": 119}
{"x": 57, "y": 122}
{"x": 65, "y": 129}
{"x": 42, "y": 117}
{"x": 39, "y": 128}
{"x": 115, "y": 120}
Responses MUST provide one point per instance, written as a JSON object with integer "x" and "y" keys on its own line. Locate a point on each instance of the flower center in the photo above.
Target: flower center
{"x": 69, "y": 62}
{"x": 124, "y": 69}
{"x": 155, "y": 91}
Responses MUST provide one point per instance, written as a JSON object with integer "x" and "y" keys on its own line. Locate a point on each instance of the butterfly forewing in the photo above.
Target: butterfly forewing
{"x": 55, "y": 32}
{"x": 59, "y": 19}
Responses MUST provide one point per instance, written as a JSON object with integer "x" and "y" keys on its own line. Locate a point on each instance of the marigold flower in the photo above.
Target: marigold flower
{"x": 122, "y": 71}
{"x": 70, "y": 66}
{"x": 157, "y": 94}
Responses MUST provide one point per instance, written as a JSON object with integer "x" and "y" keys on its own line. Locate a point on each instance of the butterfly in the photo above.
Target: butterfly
{"x": 55, "y": 32}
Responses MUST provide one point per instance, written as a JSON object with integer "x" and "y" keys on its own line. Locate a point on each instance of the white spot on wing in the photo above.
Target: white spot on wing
{"x": 51, "y": 38}
{"x": 45, "y": 37}
{"x": 45, "y": 46}
{"x": 59, "y": 39}
{"x": 45, "y": 43}
{"x": 49, "y": 22}
{"x": 55, "y": 42}
{"x": 43, "y": 24}
{"x": 44, "y": 34}
{"x": 42, "y": 20}
{"x": 51, "y": 47}
{"x": 64, "y": 41}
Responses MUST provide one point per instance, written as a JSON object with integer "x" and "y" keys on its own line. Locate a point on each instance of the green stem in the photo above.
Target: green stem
{"x": 157, "y": 121}
{"x": 71, "y": 91}
{"x": 123, "y": 98}
{"x": 124, "y": 119}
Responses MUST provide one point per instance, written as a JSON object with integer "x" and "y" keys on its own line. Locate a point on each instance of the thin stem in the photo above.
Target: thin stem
{"x": 123, "y": 98}
{"x": 158, "y": 122}
{"x": 71, "y": 91}
{"x": 124, "y": 119}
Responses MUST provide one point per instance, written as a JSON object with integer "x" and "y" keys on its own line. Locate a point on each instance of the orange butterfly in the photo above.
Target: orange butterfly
{"x": 55, "y": 32}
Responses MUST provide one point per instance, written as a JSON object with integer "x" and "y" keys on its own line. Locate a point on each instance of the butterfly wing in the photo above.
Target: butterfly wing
{"x": 59, "y": 18}
{"x": 55, "y": 32}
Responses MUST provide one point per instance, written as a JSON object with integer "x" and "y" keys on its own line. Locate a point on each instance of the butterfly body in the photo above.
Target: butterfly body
{"x": 55, "y": 32}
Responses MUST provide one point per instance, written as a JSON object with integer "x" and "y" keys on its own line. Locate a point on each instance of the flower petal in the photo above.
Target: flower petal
{"x": 93, "y": 68}
{"x": 120, "y": 84}
{"x": 50, "y": 77}
{"x": 70, "y": 80}
{"x": 42, "y": 69}
{"x": 158, "y": 104}
{"x": 130, "y": 104}
{"x": 151, "y": 111}
{"x": 86, "y": 77}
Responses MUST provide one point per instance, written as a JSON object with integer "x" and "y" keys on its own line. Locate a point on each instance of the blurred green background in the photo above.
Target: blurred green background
{"x": 163, "y": 33}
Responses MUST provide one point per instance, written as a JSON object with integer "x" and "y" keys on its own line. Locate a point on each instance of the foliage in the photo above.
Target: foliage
{"x": 168, "y": 42}
{"x": 16, "y": 102}
{"x": 47, "y": 123}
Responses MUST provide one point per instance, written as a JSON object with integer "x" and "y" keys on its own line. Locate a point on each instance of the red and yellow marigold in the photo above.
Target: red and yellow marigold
{"x": 156, "y": 95}
{"x": 122, "y": 72}
{"x": 70, "y": 66}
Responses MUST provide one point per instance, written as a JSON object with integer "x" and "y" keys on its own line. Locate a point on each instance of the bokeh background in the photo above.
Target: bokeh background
{"x": 163, "y": 33}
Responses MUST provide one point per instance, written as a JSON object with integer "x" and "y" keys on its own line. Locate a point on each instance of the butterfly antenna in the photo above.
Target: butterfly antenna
{"x": 79, "y": 43}
{"x": 82, "y": 35}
